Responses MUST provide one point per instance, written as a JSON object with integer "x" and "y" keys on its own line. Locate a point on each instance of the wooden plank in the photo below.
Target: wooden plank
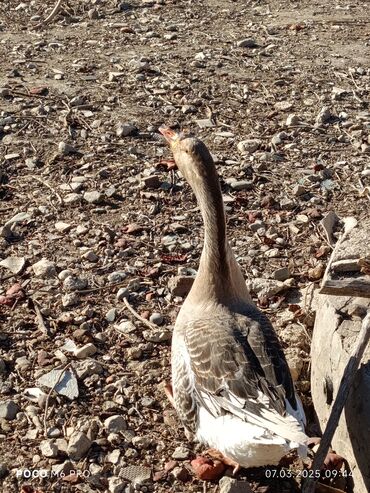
{"x": 347, "y": 287}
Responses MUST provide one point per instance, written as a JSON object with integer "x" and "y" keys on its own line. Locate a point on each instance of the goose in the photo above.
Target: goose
{"x": 231, "y": 385}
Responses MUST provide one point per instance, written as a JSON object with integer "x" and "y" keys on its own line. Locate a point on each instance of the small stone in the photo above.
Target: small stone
{"x": 72, "y": 198}
{"x": 14, "y": 264}
{"x": 87, "y": 368}
{"x": 62, "y": 226}
{"x": 115, "y": 76}
{"x": 248, "y": 146}
{"x": 125, "y": 129}
{"x": 93, "y": 197}
{"x": 324, "y": 116}
{"x": 54, "y": 432}
{"x": 181, "y": 453}
{"x": 63, "y": 469}
{"x": 122, "y": 293}
{"x": 116, "y": 485}
{"x": 66, "y": 149}
{"x": 265, "y": 287}
{"x": 365, "y": 148}
{"x": 247, "y": 43}
{"x": 205, "y": 123}
{"x": 74, "y": 283}
{"x": 70, "y": 299}
{"x": 230, "y": 485}
{"x": 126, "y": 327}
{"x": 292, "y": 120}
{"x": 156, "y": 318}
{"x": 142, "y": 442}
{"x": 241, "y": 185}
{"x": 44, "y": 268}
{"x": 115, "y": 424}
{"x": 93, "y": 14}
{"x": 78, "y": 445}
{"x": 9, "y": 410}
{"x": 181, "y": 474}
{"x": 316, "y": 272}
{"x": 151, "y": 182}
{"x": 48, "y": 448}
{"x": 85, "y": 351}
{"x": 90, "y": 256}
{"x": 299, "y": 190}
{"x": 111, "y": 315}
{"x": 282, "y": 274}
{"x": 180, "y": 285}
{"x": 116, "y": 276}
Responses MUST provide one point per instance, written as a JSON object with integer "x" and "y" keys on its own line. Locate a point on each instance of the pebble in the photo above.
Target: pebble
{"x": 70, "y": 299}
{"x": 44, "y": 268}
{"x": 66, "y": 149}
{"x": 241, "y": 185}
{"x": 180, "y": 285}
{"x": 93, "y": 197}
{"x": 85, "y": 351}
{"x": 292, "y": 120}
{"x": 78, "y": 445}
{"x": 265, "y": 287}
{"x": 115, "y": 424}
{"x": 324, "y": 116}
{"x": 156, "y": 318}
{"x": 116, "y": 485}
{"x": 90, "y": 255}
{"x": 125, "y": 129}
{"x": 248, "y": 146}
{"x": 230, "y": 485}
{"x": 282, "y": 274}
{"x": 151, "y": 182}
{"x": 181, "y": 453}
{"x": 72, "y": 198}
{"x": 9, "y": 410}
{"x": 142, "y": 442}
{"x": 48, "y": 448}
{"x": 87, "y": 368}
{"x": 299, "y": 190}
{"x": 62, "y": 226}
{"x": 74, "y": 283}
{"x": 247, "y": 43}
{"x": 14, "y": 264}
{"x": 122, "y": 293}
{"x": 116, "y": 276}
{"x": 111, "y": 315}
{"x": 126, "y": 327}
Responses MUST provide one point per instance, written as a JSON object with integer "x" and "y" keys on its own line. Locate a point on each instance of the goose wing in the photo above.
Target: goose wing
{"x": 238, "y": 367}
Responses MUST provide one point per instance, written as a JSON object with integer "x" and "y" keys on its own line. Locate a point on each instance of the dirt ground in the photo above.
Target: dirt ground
{"x": 286, "y": 116}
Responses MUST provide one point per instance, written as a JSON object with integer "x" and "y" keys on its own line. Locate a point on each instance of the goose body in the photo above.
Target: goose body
{"x": 232, "y": 388}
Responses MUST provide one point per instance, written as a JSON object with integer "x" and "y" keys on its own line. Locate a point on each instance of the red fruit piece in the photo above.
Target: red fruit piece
{"x": 207, "y": 469}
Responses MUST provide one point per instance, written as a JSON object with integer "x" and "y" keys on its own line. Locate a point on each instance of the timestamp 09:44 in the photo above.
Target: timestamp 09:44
{"x": 305, "y": 473}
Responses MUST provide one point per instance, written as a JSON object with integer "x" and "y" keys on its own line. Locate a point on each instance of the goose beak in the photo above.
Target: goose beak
{"x": 170, "y": 135}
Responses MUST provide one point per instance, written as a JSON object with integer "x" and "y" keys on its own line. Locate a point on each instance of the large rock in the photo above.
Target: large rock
{"x": 340, "y": 308}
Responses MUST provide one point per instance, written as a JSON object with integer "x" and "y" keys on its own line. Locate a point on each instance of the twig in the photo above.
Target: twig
{"x": 139, "y": 317}
{"x": 52, "y": 14}
{"x": 49, "y": 394}
{"x": 340, "y": 400}
{"x": 40, "y": 319}
{"x": 50, "y": 188}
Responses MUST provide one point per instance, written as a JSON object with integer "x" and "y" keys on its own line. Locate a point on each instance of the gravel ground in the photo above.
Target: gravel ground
{"x": 91, "y": 217}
